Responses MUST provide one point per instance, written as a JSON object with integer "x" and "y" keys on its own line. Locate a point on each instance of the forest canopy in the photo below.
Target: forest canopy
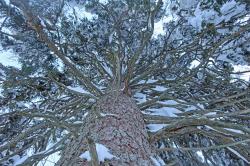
{"x": 185, "y": 65}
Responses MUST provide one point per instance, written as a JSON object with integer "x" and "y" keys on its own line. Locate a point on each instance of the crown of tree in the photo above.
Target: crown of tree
{"x": 184, "y": 63}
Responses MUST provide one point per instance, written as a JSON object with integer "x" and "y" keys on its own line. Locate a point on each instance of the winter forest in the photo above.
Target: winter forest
{"x": 124, "y": 82}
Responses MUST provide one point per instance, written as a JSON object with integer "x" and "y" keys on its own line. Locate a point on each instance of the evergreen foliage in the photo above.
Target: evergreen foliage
{"x": 182, "y": 75}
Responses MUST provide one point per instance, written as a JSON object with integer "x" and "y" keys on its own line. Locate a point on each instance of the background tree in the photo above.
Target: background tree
{"x": 105, "y": 83}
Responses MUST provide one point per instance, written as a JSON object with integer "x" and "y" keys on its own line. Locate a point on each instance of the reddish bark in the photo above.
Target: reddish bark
{"x": 118, "y": 124}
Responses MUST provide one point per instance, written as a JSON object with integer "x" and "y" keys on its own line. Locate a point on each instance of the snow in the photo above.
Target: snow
{"x": 60, "y": 65}
{"x": 85, "y": 114}
{"x": 18, "y": 160}
{"x": 147, "y": 81}
{"x": 158, "y": 26}
{"x": 168, "y": 102}
{"x": 8, "y": 58}
{"x": 184, "y": 4}
{"x": 238, "y": 154}
{"x": 227, "y": 6}
{"x": 155, "y": 127}
{"x": 50, "y": 160}
{"x": 78, "y": 122}
{"x": 196, "y": 20}
{"x": 110, "y": 38}
{"x": 4, "y": 29}
{"x": 210, "y": 113}
{"x": 234, "y": 56}
{"x": 244, "y": 20}
{"x": 191, "y": 108}
{"x": 86, "y": 155}
{"x": 158, "y": 29}
{"x": 107, "y": 69}
{"x": 108, "y": 114}
{"x": 194, "y": 64}
{"x": 210, "y": 128}
{"x": 199, "y": 16}
{"x": 157, "y": 161}
{"x": 168, "y": 17}
{"x": 104, "y": 65}
{"x": 103, "y": 1}
{"x": 235, "y": 131}
{"x": 7, "y": 1}
{"x": 2, "y": 75}
{"x": 159, "y": 88}
{"x": 102, "y": 152}
{"x": 200, "y": 154}
{"x": 164, "y": 111}
{"x": 78, "y": 89}
{"x": 79, "y": 10}
{"x": 140, "y": 97}
{"x": 242, "y": 68}
{"x": 229, "y": 9}
{"x": 232, "y": 130}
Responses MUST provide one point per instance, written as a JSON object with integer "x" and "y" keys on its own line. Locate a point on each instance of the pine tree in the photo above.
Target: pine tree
{"x": 104, "y": 83}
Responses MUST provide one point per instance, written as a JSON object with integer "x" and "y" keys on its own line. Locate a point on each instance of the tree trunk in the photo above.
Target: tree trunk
{"x": 116, "y": 123}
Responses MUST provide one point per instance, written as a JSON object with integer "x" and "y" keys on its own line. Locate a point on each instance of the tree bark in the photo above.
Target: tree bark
{"x": 117, "y": 123}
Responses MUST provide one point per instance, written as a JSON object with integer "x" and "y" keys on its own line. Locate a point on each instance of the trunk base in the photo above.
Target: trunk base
{"x": 116, "y": 123}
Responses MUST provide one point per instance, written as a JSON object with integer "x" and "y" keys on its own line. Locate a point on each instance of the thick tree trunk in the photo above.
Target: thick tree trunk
{"x": 116, "y": 123}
